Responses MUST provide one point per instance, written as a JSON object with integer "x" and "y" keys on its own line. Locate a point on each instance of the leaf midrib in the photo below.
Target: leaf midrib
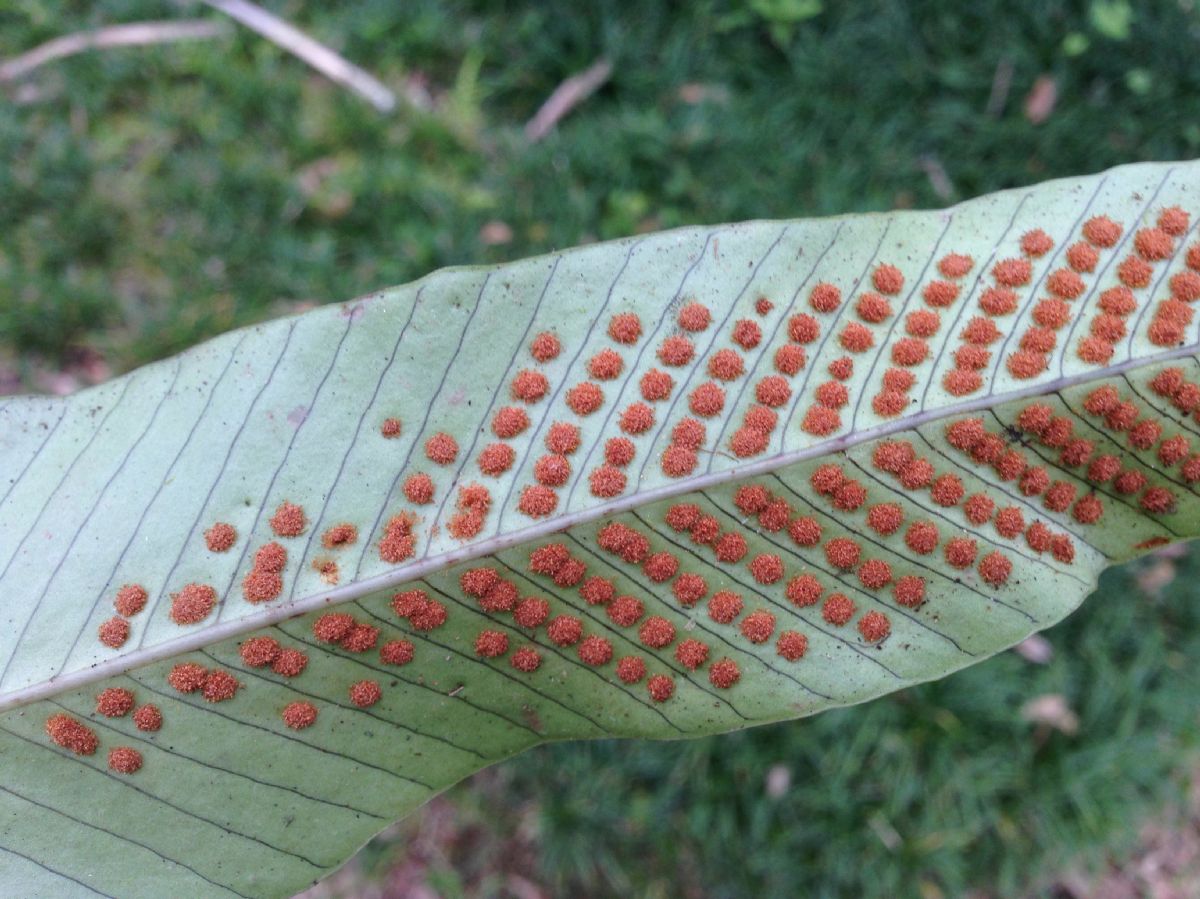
{"x": 402, "y": 574}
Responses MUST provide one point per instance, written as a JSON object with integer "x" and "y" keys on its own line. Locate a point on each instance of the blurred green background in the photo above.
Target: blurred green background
{"x": 152, "y": 197}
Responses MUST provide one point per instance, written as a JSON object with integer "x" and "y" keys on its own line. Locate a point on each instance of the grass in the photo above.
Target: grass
{"x": 158, "y": 196}
{"x": 155, "y": 197}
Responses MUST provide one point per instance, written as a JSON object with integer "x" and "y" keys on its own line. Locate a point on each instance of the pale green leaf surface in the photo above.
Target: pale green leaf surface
{"x": 117, "y": 485}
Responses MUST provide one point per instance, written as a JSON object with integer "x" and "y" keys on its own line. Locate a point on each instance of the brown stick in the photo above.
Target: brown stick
{"x": 1001, "y": 83}
{"x": 317, "y": 55}
{"x": 566, "y": 97}
{"x": 132, "y": 35}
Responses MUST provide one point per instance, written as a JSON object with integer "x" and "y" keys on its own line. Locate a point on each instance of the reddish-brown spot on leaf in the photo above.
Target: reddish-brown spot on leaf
{"x": 597, "y": 591}
{"x": 909, "y": 591}
{"x": 220, "y": 686}
{"x": 758, "y": 626}
{"x": 689, "y": 589}
{"x": 606, "y": 481}
{"x": 631, "y": 669}
{"x": 921, "y": 537}
{"x": 1036, "y": 243}
{"x": 187, "y": 677}
{"x": 637, "y": 418}
{"x": 824, "y": 297}
{"x": 509, "y": 421}
{"x": 396, "y": 652}
{"x": 656, "y": 385}
{"x": 747, "y": 334}
{"x": 981, "y": 331}
{"x": 841, "y": 368}
{"x": 789, "y": 359}
{"x": 724, "y": 673}
{"x": 998, "y": 301}
{"x": 660, "y": 567}
{"x": 289, "y": 520}
{"x": 885, "y": 518}
{"x": 821, "y": 421}
{"x": 531, "y": 612}
{"x": 114, "y": 632}
{"x": 1101, "y": 231}
{"x": 625, "y": 327}
{"x": 1152, "y": 543}
{"x": 960, "y": 552}
{"x": 874, "y": 626}
{"x": 656, "y": 632}
{"x": 418, "y": 488}
{"x": 730, "y": 547}
{"x": 565, "y": 630}
{"x": 978, "y": 509}
{"x": 909, "y": 351}
{"x": 605, "y": 365}
{"x": 1082, "y": 257}
{"x": 1065, "y": 283}
{"x": 1153, "y": 244}
{"x": 595, "y": 651}
{"x": 661, "y": 687}
{"x": 694, "y": 317}
{"x": 691, "y": 653}
{"x": 365, "y": 693}
{"x": 545, "y": 347}
{"x": 995, "y": 568}
{"x": 707, "y": 400}
{"x": 873, "y": 308}
{"x": 1027, "y": 364}
{"x": 940, "y": 294}
{"x": 955, "y": 265}
{"x": 398, "y": 543}
{"x": 856, "y": 338}
{"x": 526, "y": 660}
{"x": 875, "y": 574}
{"x": 887, "y": 279}
{"x": 339, "y": 535}
{"x": 1012, "y": 272}
{"x": 332, "y": 627}
{"x": 220, "y": 537}
{"x": 130, "y": 600}
{"x": 1185, "y": 286}
{"x": 1134, "y": 272}
{"x": 724, "y": 606}
{"x": 491, "y": 644}
{"x": 494, "y": 459}
{"x": 291, "y": 663}
{"x": 193, "y": 603}
{"x": 441, "y": 449}
{"x": 1158, "y": 501}
{"x": 361, "y": 638}
{"x": 299, "y": 715}
{"x": 258, "y": 652}
{"x": 124, "y": 760}
{"x": 148, "y": 718}
{"x": 114, "y": 702}
{"x": 792, "y": 645}
{"x": 1173, "y": 221}
{"x": 804, "y": 590}
{"x": 625, "y": 611}
{"x": 838, "y": 609}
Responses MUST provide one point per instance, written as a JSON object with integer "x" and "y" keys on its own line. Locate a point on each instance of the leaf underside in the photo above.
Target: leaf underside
{"x": 661, "y": 487}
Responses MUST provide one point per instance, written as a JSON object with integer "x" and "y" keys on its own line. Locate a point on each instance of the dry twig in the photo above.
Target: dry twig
{"x": 134, "y": 34}
{"x": 566, "y": 97}
{"x": 316, "y": 54}
{"x": 1001, "y": 84}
